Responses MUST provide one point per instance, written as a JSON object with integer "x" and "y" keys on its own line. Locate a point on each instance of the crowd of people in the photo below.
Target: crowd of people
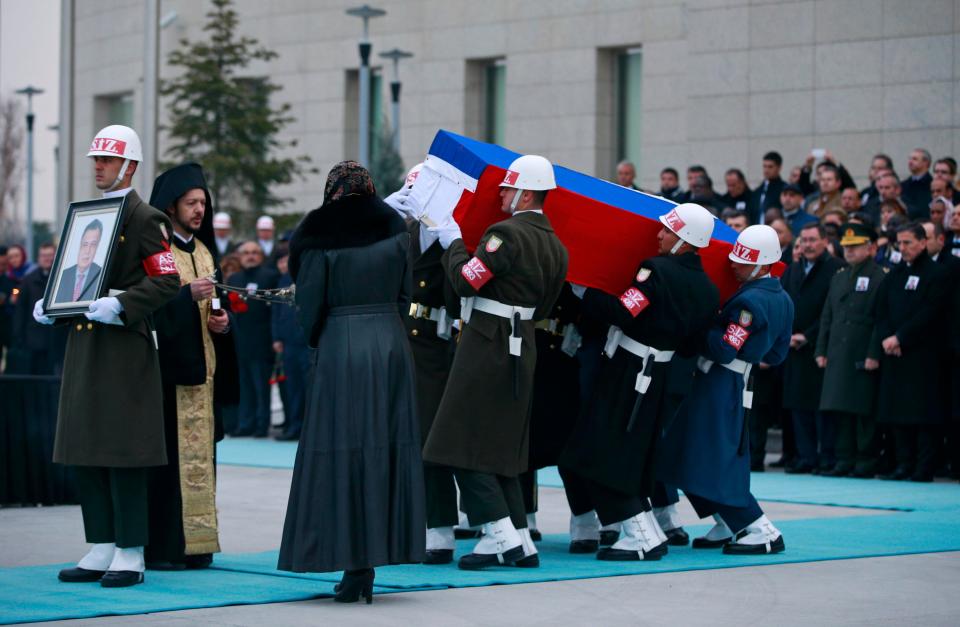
{"x": 451, "y": 376}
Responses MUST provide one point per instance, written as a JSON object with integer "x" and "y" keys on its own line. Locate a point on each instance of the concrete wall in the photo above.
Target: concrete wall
{"x": 724, "y": 80}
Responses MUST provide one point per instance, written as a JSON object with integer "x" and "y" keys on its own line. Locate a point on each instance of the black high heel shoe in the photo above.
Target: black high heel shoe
{"x": 355, "y": 583}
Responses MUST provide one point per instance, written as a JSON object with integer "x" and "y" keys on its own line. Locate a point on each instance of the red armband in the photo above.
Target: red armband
{"x": 476, "y": 273}
{"x": 635, "y": 301}
{"x": 160, "y": 264}
{"x": 736, "y": 335}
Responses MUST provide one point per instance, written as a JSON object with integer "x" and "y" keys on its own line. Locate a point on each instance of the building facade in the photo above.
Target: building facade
{"x": 584, "y": 82}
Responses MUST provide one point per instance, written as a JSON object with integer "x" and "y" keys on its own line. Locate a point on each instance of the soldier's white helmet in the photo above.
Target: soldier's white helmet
{"x": 117, "y": 141}
{"x": 412, "y": 175}
{"x": 221, "y": 220}
{"x": 757, "y": 245}
{"x": 691, "y": 223}
{"x": 531, "y": 172}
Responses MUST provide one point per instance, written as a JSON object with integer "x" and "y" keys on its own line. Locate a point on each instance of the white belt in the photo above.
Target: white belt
{"x": 740, "y": 367}
{"x": 501, "y": 310}
{"x": 617, "y": 339}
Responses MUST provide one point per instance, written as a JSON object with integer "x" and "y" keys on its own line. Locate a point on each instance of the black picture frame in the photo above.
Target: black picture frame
{"x": 60, "y": 299}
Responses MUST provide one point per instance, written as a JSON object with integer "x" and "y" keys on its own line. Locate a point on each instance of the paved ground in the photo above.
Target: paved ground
{"x": 918, "y": 589}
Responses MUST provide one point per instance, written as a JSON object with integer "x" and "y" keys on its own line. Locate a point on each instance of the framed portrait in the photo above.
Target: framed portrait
{"x": 82, "y": 264}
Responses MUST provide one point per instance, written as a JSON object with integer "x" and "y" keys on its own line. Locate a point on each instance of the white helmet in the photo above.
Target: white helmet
{"x": 691, "y": 223}
{"x": 412, "y": 175}
{"x": 757, "y": 245}
{"x": 531, "y": 172}
{"x": 117, "y": 141}
{"x": 221, "y": 220}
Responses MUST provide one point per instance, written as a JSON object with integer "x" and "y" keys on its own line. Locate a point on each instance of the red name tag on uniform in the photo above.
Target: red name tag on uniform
{"x": 736, "y": 335}
{"x": 160, "y": 264}
{"x": 476, "y": 273}
{"x": 635, "y": 301}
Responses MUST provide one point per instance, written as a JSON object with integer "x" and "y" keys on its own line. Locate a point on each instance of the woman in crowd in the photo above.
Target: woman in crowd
{"x": 357, "y": 496}
{"x": 17, "y": 264}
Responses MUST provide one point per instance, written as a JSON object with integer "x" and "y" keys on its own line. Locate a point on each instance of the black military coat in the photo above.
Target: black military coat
{"x": 481, "y": 425}
{"x": 846, "y": 327}
{"x": 678, "y": 302}
{"x": 909, "y": 306}
{"x": 802, "y": 379}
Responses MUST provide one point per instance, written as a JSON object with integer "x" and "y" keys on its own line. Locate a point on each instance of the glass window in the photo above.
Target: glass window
{"x": 376, "y": 115}
{"x": 495, "y": 102}
{"x": 113, "y": 109}
{"x": 629, "y": 73}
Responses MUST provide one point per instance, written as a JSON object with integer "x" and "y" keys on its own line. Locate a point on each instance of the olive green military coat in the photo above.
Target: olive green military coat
{"x": 111, "y": 405}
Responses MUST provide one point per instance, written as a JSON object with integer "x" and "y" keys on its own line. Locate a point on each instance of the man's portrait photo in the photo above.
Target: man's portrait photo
{"x": 78, "y": 282}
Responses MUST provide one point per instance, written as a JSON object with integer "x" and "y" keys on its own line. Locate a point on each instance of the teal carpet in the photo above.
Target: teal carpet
{"x": 911, "y": 518}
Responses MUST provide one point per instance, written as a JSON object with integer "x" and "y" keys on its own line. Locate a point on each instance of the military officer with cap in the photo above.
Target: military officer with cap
{"x": 705, "y": 452}
{"x": 481, "y": 428}
{"x": 608, "y": 464}
{"x": 429, "y": 322}
{"x": 110, "y": 426}
{"x": 849, "y": 360}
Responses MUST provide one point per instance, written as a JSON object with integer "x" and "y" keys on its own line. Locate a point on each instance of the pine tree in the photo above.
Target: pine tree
{"x": 222, "y": 118}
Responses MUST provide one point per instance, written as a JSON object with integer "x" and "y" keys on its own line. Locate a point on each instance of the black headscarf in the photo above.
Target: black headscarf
{"x": 171, "y": 185}
{"x": 348, "y": 178}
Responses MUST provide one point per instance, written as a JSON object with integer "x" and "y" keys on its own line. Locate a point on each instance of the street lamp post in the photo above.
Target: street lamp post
{"x": 30, "y": 91}
{"x": 395, "y": 55}
{"x": 365, "y": 12}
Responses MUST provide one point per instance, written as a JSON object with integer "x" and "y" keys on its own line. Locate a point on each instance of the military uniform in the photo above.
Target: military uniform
{"x": 704, "y": 452}
{"x": 909, "y": 304}
{"x": 849, "y": 391}
{"x": 608, "y": 464}
{"x": 433, "y": 307}
{"x": 482, "y": 425}
{"x": 110, "y": 424}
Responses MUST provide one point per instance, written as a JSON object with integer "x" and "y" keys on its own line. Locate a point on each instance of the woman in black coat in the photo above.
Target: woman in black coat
{"x": 357, "y": 496}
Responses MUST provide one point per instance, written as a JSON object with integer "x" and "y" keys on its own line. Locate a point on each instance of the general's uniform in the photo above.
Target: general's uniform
{"x": 608, "y": 464}
{"x": 433, "y": 308}
{"x": 909, "y": 305}
{"x": 849, "y": 391}
{"x": 110, "y": 425}
{"x": 705, "y": 450}
{"x": 482, "y": 425}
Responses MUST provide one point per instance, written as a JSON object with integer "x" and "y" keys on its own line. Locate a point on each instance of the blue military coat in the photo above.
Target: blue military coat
{"x": 700, "y": 452}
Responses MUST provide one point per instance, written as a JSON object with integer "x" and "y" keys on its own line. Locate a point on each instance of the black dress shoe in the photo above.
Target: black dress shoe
{"x": 535, "y": 535}
{"x": 707, "y": 543}
{"x": 80, "y": 575}
{"x": 900, "y": 474}
{"x": 198, "y": 562}
{"x": 584, "y": 546}
{"x": 242, "y": 433}
{"x": 863, "y": 473}
{"x": 920, "y": 477}
{"x": 783, "y": 462}
{"x": 677, "y": 537}
{"x": 610, "y": 554}
{"x": 287, "y": 437}
{"x": 166, "y": 566}
{"x": 479, "y": 561}
{"x": 121, "y": 578}
{"x": 438, "y": 556}
{"x": 530, "y": 561}
{"x": 609, "y": 537}
{"x": 799, "y": 469}
{"x": 838, "y": 471}
{"x": 355, "y": 583}
{"x": 466, "y": 534}
{"x": 777, "y": 546}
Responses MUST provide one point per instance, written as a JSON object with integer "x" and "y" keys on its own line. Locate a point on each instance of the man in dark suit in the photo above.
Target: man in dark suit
{"x": 77, "y": 282}
{"x": 915, "y": 189}
{"x": 879, "y": 164}
{"x": 670, "y": 184}
{"x": 739, "y": 196}
{"x": 807, "y": 283}
{"x": 767, "y": 193}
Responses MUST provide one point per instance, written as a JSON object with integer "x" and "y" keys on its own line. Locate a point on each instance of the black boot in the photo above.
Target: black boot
{"x": 355, "y": 583}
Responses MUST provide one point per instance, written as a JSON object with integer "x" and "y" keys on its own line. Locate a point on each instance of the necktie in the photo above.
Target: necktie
{"x": 78, "y": 287}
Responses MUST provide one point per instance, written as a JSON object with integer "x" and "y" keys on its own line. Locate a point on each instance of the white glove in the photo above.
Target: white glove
{"x": 578, "y": 290}
{"x": 447, "y": 231}
{"x": 398, "y": 202}
{"x": 106, "y": 310}
{"x": 38, "y": 313}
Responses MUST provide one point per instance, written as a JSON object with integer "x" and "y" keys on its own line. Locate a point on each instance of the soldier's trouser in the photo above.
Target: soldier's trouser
{"x": 916, "y": 447}
{"x": 114, "y": 504}
{"x": 664, "y": 495}
{"x": 737, "y": 518}
{"x": 441, "y": 490}
{"x": 857, "y": 441}
{"x": 528, "y": 487}
{"x": 486, "y": 497}
{"x": 585, "y": 495}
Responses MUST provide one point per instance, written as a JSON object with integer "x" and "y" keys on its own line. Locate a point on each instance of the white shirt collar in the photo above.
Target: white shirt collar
{"x": 118, "y": 193}
{"x": 185, "y": 240}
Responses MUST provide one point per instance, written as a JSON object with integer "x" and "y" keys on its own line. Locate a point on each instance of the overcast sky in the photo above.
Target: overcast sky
{"x": 30, "y": 54}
